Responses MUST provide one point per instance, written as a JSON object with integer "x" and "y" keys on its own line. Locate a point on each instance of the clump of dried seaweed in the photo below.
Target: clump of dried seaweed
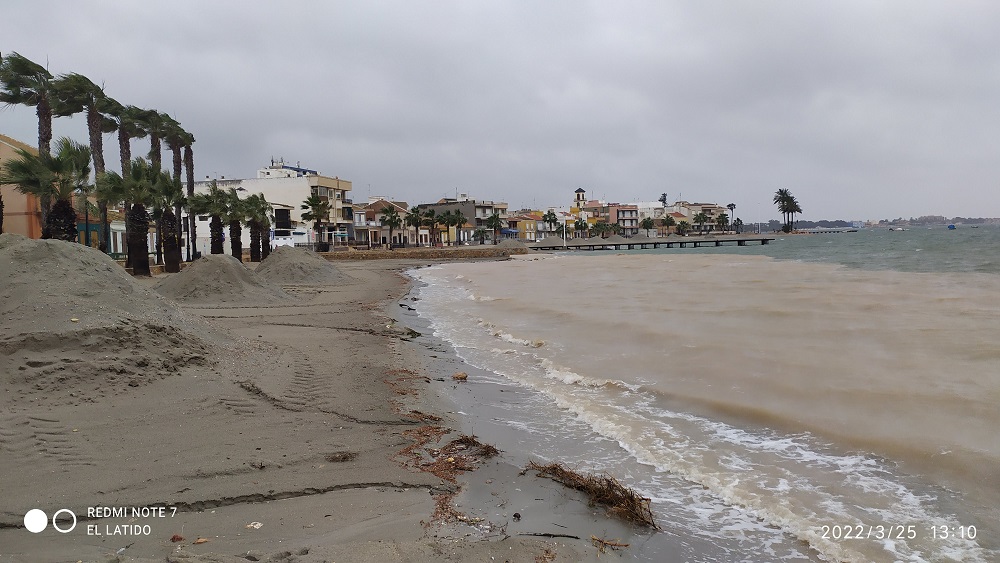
{"x": 621, "y": 501}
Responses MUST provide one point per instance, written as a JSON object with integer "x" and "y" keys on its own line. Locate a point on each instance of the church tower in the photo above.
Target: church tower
{"x": 581, "y": 198}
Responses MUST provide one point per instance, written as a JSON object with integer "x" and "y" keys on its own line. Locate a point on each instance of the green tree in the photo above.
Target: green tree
{"x": 430, "y": 220}
{"x": 137, "y": 187}
{"x": 738, "y": 225}
{"x": 647, "y": 224}
{"x": 458, "y": 220}
{"x": 236, "y": 215}
{"x": 732, "y": 209}
{"x": 213, "y": 203}
{"x": 414, "y": 219}
{"x": 392, "y": 220}
{"x": 722, "y": 220}
{"x": 667, "y": 222}
{"x": 480, "y": 234}
{"x": 496, "y": 223}
{"x": 663, "y": 199}
{"x": 74, "y": 93}
{"x": 176, "y": 138}
{"x": 683, "y": 227}
{"x": 700, "y": 219}
{"x": 581, "y": 226}
{"x": 446, "y": 220}
{"x": 26, "y": 83}
{"x": 782, "y": 198}
{"x": 259, "y": 220}
{"x": 551, "y": 219}
{"x": 317, "y": 210}
{"x": 52, "y": 177}
{"x": 167, "y": 195}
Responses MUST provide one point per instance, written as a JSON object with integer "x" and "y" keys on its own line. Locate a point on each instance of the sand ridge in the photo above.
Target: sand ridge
{"x": 290, "y": 265}
{"x": 75, "y": 327}
{"x": 219, "y": 279}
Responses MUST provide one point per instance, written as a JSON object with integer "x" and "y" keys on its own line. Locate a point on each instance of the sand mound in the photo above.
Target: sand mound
{"x": 511, "y": 243}
{"x": 550, "y": 240}
{"x": 74, "y": 325}
{"x": 290, "y": 265}
{"x": 222, "y": 279}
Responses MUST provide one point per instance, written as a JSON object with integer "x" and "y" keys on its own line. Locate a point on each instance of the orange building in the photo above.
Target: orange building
{"x": 21, "y": 212}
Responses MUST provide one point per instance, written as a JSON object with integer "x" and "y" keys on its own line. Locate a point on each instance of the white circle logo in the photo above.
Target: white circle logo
{"x": 35, "y": 520}
{"x": 56, "y": 515}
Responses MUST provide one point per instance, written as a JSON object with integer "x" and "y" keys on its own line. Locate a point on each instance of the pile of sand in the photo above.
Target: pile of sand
{"x": 74, "y": 325}
{"x": 290, "y": 265}
{"x": 511, "y": 243}
{"x": 219, "y": 279}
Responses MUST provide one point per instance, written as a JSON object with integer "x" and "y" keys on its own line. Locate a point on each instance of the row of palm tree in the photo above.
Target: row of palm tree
{"x": 226, "y": 208}
{"x": 24, "y": 82}
{"x": 417, "y": 218}
{"x": 788, "y": 205}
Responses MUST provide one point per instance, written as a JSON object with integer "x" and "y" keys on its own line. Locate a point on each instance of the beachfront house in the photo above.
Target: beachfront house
{"x": 285, "y": 187}
{"x": 476, "y": 213}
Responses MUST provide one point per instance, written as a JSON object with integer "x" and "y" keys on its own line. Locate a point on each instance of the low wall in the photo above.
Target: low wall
{"x": 459, "y": 253}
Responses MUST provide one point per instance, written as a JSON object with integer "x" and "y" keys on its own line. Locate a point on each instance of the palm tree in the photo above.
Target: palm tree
{"x": 430, "y": 220}
{"x": 738, "y": 225}
{"x": 74, "y": 93}
{"x": 176, "y": 138}
{"x": 215, "y": 204}
{"x": 26, "y": 83}
{"x": 259, "y": 216}
{"x": 667, "y": 222}
{"x": 415, "y": 220}
{"x": 732, "y": 209}
{"x": 446, "y": 220}
{"x": 782, "y": 199}
{"x": 317, "y": 210}
{"x": 52, "y": 177}
{"x": 480, "y": 233}
{"x": 682, "y": 227}
{"x": 580, "y": 226}
{"x": 458, "y": 220}
{"x": 236, "y": 214}
{"x": 167, "y": 196}
{"x": 722, "y": 220}
{"x": 391, "y": 219}
{"x": 551, "y": 219}
{"x": 496, "y": 223}
{"x": 189, "y": 168}
{"x": 130, "y": 126}
{"x": 793, "y": 208}
{"x": 137, "y": 187}
{"x": 1, "y": 214}
{"x": 156, "y": 125}
{"x": 700, "y": 220}
{"x": 647, "y": 224}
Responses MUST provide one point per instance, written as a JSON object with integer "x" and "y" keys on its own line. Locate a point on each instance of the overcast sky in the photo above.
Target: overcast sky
{"x": 864, "y": 110}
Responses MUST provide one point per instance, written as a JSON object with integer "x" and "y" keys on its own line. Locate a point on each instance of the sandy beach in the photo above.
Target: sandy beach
{"x": 291, "y": 422}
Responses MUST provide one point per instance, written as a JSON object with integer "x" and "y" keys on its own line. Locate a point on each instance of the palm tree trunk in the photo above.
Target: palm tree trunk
{"x": 44, "y": 112}
{"x": 192, "y": 238}
{"x": 61, "y": 223}
{"x": 125, "y": 153}
{"x": 1, "y": 214}
{"x": 154, "y": 152}
{"x": 216, "y": 232}
{"x": 255, "y": 250}
{"x": 138, "y": 247}
{"x": 236, "y": 240}
{"x": 177, "y": 178}
{"x": 159, "y": 238}
{"x": 171, "y": 243}
{"x": 97, "y": 153}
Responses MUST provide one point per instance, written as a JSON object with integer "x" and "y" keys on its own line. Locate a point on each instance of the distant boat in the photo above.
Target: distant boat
{"x": 951, "y": 227}
{"x": 896, "y": 229}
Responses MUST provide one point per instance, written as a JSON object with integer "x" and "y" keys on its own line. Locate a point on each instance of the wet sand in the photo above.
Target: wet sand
{"x": 287, "y": 440}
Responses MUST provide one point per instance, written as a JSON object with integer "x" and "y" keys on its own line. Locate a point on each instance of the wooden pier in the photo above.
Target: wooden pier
{"x": 629, "y": 244}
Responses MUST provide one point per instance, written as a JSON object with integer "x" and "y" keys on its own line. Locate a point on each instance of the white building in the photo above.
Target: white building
{"x": 286, "y": 187}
